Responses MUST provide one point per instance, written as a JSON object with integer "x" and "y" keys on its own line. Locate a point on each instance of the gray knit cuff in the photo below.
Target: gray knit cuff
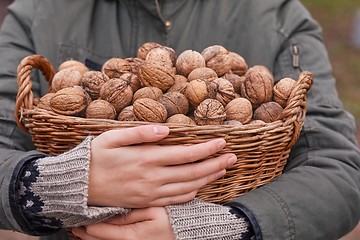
{"x": 201, "y": 220}
{"x": 62, "y": 186}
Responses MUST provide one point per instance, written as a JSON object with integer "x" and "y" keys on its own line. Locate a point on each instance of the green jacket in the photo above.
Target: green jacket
{"x": 318, "y": 195}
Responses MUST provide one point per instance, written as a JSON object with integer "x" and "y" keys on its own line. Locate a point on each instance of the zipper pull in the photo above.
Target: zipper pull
{"x": 296, "y": 56}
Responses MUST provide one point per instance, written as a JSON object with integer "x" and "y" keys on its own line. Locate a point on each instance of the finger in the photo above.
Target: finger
{"x": 111, "y": 231}
{"x": 180, "y": 154}
{"x": 82, "y": 234}
{"x": 136, "y": 215}
{"x": 180, "y": 188}
{"x": 128, "y": 136}
{"x": 174, "y": 199}
{"x": 194, "y": 171}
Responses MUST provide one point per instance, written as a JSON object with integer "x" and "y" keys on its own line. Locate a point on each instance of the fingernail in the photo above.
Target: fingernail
{"x": 160, "y": 130}
{"x": 221, "y": 144}
{"x": 232, "y": 160}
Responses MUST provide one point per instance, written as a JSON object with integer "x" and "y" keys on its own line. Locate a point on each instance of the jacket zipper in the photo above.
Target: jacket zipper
{"x": 296, "y": 56}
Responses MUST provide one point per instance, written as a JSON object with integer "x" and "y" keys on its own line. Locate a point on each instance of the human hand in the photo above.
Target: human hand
{"x": 124, "y": 172}
{"x": 146, "y": 223}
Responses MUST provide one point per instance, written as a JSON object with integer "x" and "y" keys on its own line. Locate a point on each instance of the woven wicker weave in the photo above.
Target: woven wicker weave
{"x": 261, "y": 150}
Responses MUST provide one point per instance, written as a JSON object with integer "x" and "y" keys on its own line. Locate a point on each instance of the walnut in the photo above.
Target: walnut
{"x": 180, "y": 78}
{"x": 237, "y": 63}
{"x": 70, "y": 101}
{"x": 232, "y": 122}
{"x": 134, "y": 63}
{"x": 144, "y": 49}
{"x": 188, "y": 61}
{"x": 149, "y": 110}
{"x": 148, "y": 92}
{"x": 282, "y": 90}
{"x": 224, "y": 91}
{"x": 92, "y": 82}
{"x": 44, "y": 101}
{"x": 235, "y": 80}
{"x": 179, "y": 87}
{"x": 258, "y": 85}
{"x": 131, "y": 79}
{"x": 115, "y": 67}
{"x": 152, "y": 74}
{"x": 257, "y": 123}
{"x": 239, "y": 109}
{"x": 67, "y": 77}
{"x": 180, "y": 119}
{"x": 268, "y": 112}
{"x": 210, "y": 112}
{"x": 174, "y": 103}
{"x": 203, "y": 73}
{"x": 216, "y": 58}
{"x": 117, "y": 92}
{"x": 100, "y": 109}
{"x": 127, "y": 114}
{"x": 162, "y": 55}
{"x": 196, "y": 92}
{"x": 74, "y": 64}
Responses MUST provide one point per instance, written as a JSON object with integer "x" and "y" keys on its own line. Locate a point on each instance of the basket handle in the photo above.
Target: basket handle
{"x": 294, "y": 111}
{"x": 25, "y": 97}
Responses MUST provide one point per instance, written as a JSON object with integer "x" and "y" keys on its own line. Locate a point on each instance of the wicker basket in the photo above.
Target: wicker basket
{"x": 262, "y": 150}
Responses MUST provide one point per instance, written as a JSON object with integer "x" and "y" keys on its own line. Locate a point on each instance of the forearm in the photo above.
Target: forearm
{"x": 53, "y": 193}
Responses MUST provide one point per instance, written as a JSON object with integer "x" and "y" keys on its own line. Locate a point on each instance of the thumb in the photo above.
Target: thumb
{"x": 135, "y": 135}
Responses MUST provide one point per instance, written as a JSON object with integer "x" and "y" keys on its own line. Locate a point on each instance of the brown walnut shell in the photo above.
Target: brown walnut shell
{"x": 67, "y": 77}
{"x": 162, "y": 55}
{"x": 235, "y": 80}
{"x": 210, "y": 112}
{"x": 145, "y": 48}
{"x": 149, "y": 110}
{"x": 203, "y": 73}
{"x": 100, "y": 109}
{"x": 92, "y": 82}
{"x": 237, "y": 63}
{"x": 70, "y": 101}
{"x": 74, "y": 64}
{"x": 180, "y": 78}
{"x": 175, "y": 103}
{"x": 196, "y": 91}
{"x": 152, "y": 74}
{"x": 216, "y": 58}
{"x": 132, "y": 79}
{"x": 127, "y": 114}
{"x": 44, "y": 101}
{"x": 148, "y": 92}
{"x": 180, "y": 119}
{"x": 115, "y": 67}
{"x": 239, "y": 109}
{"x": 117, "y": 92}
{"x": 134, "y": 63}
{"x": 179, "y": 87}
{"x": 282, "y": 90}
{"x": 224, "y": 91}
{"x": 258, "y": 85}
{"x": 268, "y": 112}
{"x": 189, "y": 60}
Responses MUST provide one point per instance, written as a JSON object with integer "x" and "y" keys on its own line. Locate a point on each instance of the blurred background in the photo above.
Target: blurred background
{"x": 341, "y": 26}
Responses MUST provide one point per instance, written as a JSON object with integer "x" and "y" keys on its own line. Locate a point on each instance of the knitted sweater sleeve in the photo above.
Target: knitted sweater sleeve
{"x": 52, "y": 192}
{"x": 204, "y": 221}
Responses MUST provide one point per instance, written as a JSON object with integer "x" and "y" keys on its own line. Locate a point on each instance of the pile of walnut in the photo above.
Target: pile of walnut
{"x": 213, "y": 87}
